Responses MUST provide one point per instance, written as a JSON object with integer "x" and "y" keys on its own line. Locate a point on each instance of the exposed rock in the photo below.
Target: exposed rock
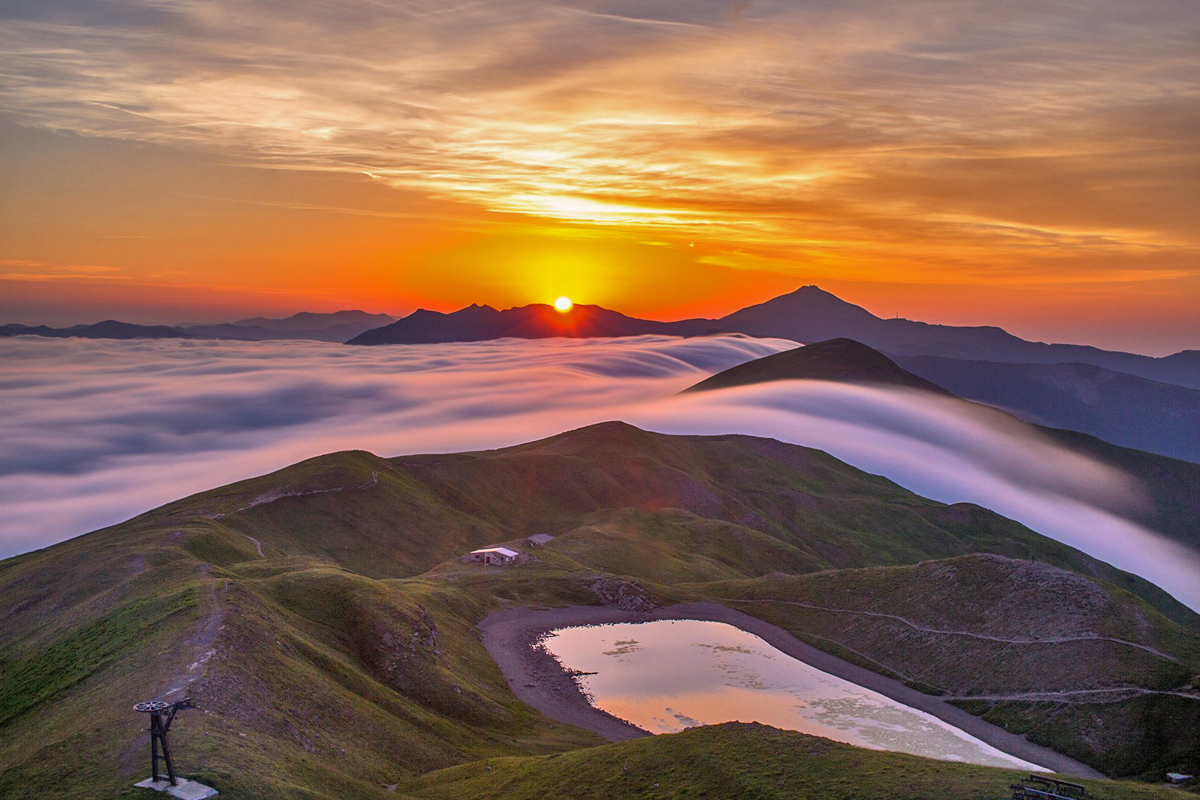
{"x": 627, "y": 595}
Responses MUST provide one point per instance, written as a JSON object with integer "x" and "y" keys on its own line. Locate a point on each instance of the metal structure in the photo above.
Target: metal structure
{"x": 1040, "y": 787}
{"x": 161, "y": 716}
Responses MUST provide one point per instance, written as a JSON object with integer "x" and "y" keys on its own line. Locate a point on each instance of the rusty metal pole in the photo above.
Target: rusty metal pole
{"x": 158, "y": 732}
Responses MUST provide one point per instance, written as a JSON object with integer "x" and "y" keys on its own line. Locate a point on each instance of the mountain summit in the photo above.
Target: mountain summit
{"x": 842, "y": 360}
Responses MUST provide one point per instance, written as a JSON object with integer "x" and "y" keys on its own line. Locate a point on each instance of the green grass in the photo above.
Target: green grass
{"x": 347, "y": 659}
{"x": 735, "y": 761}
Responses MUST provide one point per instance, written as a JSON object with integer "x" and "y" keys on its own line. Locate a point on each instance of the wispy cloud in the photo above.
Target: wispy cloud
{"x": 977, "y": 131}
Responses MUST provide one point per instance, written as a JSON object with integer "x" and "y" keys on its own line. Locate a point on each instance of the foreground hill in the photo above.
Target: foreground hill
{"x": 1123, "y": 409}
{"x": 320, "y": 618}
{"x": 786, "y": 765}
{"x": 1172, "y": 486}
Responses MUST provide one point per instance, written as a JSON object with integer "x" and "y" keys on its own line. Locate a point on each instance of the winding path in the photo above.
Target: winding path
{"x": 986, "y": 637}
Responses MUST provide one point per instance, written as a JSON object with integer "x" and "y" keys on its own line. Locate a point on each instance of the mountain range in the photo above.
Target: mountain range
{"x": 338, "y": 326}
{"x": 808, "y": 314}
{"x": 334, "y": 327}
{"x": 1135, "y": 401}
{"x": 108, "y": 329}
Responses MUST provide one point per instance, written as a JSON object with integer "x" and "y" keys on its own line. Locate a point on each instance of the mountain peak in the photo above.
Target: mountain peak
{"x": 843, "y": 360}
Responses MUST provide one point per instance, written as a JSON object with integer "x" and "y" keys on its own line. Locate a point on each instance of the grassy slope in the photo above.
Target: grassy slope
{"x": 964, "y": 626}
{"x": 1171, "y": 486}
{"x": 336, "y": 663}
{"x": 712, "y": 762}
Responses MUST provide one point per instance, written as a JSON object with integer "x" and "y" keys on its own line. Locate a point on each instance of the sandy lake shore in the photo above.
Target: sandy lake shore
{"x": 511, "y": 637}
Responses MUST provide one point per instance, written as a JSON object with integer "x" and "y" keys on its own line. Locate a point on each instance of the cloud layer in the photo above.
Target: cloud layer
{"x": 97, "y": 431}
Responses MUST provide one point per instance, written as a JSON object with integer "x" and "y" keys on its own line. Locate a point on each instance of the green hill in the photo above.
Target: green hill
{"x": 715, "y": 762}
{"x": 321, "y": 620}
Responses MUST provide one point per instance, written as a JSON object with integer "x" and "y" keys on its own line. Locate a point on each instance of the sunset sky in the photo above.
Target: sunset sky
{"x": 1027, "y": 164}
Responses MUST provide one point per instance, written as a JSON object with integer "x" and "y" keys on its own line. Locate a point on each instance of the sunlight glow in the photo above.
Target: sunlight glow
{"x": 563, "y": 304}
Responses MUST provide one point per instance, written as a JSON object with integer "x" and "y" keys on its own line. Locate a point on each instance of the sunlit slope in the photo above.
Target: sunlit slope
{"x": 1078, "y": 665}
{"x": 399, "y": 517}
{"x": 314, "y": 681}
{"x": 321, "y": 619}
{"x": 736, "y": 760}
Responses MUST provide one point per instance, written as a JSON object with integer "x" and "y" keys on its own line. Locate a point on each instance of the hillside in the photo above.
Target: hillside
{"x": 1134, "y": 412}
{"x": 321, "y": 620}
{"x": 786, "y": 765}
{"x": 1171, "y": 486}
{"x": 926, "y": 625}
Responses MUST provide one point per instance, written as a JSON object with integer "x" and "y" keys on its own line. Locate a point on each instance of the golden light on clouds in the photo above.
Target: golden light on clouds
{"x": 917, "y": 142}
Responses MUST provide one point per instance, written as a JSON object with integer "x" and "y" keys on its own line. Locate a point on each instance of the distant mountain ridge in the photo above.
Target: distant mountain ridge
{"x": 1124, "y": 409}
{"x": 537, "y": 321}
{"x": 108, "y": 329}
{"x": 807, "y": 315}
{"x": 336, "y": 327}
{"x": 311, "y": 321}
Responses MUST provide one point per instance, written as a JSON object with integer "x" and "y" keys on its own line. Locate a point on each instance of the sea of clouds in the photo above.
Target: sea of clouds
{"x": 97, "y": 431}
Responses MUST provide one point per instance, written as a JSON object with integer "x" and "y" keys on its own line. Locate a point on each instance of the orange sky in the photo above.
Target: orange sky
{"x": 1022, "y": 164}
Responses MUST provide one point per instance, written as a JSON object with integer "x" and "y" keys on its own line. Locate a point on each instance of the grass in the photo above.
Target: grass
{"x": 714, "y": 762}
{"x": 347, "y": 659}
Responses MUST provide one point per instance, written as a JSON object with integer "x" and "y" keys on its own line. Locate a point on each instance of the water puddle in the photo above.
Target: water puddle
{"x": 668, "y": 675}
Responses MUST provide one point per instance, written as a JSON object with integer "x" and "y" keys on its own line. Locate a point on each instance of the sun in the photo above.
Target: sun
{"x": 563, "y": 304}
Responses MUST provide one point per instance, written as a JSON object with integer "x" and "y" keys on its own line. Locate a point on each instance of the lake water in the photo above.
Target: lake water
{"x": 668, "y": 675}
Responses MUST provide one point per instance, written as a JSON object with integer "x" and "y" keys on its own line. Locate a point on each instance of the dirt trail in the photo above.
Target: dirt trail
{"x": 512, "y": 637}
{"x": 1073, "y": 693}
{"x": 201, "y": 642}
{"x": 969, "y": 634}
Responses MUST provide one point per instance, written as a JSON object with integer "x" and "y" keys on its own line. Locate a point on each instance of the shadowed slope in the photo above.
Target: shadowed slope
{"x": 1126, "y": 410}
{"x": 834, "y": 360}
{"x": 735, "y": 760}
{"x": 1171, "y": 486}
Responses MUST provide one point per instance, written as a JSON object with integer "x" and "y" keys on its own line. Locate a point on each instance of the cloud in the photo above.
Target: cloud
{"x": 985, "y": 131}
{"x": 97, "y": 431}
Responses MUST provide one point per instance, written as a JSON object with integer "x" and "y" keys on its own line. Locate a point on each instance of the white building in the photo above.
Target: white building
{"x": 492, "y": 555}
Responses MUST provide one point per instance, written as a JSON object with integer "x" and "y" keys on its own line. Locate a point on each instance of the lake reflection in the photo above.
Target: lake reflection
{"x": 668, "y": 675}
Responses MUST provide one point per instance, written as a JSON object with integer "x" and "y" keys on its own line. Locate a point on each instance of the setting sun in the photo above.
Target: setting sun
{"x": 563, "y": 304}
